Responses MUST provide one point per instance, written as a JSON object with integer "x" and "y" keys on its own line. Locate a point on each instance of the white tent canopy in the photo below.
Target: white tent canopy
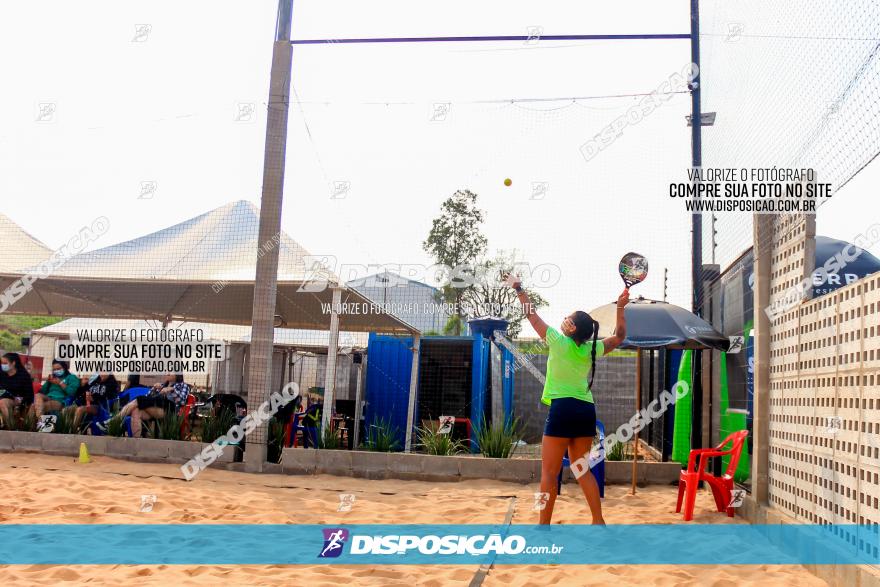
{"x": 19, "y": 248}
{"x": 199, "y": 270}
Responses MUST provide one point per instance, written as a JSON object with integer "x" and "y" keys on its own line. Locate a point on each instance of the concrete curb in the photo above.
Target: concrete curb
{"x": 843, "y": 575}
{"x": 138, "y": 449}
{"x": 421, "y": 467}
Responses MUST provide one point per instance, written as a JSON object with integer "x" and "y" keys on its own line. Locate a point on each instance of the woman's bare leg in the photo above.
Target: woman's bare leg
{"x": 145, "y": 415}
{"x": 43, "y": 404}
{"x": 552, "y": 451}
{"x": 579, "y": 448}
{"x": 128, "y": 408}
{"x": 6, "y": 407}
{"x": 78, "y": 415}
{"x": 137, "y": 417}
{"x": 39, "y": 399}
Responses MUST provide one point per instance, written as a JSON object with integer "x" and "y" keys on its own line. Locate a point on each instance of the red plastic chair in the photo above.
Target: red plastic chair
{"x": 185, "y": 411}
{"x": 722, "y": 487}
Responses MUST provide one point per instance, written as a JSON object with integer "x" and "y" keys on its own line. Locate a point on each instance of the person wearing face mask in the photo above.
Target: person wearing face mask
{"x": 16, "y": 387}
{"x": 57, "y": 391}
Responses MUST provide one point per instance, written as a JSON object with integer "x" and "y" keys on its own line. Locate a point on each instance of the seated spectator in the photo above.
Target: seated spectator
{"x": 16, "y": 387}
{"x": 100, "y": 391}
{"x": 132, "y": 384}
{"x": 58, "y": 390}
{"x": 227, "y": 401}
{"x": 167, "y": 396}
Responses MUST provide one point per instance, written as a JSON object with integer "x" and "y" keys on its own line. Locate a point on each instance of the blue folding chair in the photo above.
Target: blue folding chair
{"x": 597, "y": 468}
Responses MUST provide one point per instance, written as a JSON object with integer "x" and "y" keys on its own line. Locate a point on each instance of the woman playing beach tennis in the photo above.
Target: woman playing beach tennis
{"x": 571, "y": 423}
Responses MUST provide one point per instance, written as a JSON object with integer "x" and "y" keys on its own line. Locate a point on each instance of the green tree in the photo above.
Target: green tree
{"x": 490, "y": 296}
{"x": 455, "y": 241}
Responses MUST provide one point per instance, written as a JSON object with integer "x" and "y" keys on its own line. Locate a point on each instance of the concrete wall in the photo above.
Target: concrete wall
{"x": 837, "y": 575}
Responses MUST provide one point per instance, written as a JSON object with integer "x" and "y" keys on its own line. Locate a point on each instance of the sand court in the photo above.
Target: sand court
{"x": 57, "y": 490}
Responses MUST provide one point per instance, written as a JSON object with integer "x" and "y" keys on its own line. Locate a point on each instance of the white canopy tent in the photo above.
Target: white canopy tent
{"x": 20, "y": 249}
{"x": 200, "y": 270}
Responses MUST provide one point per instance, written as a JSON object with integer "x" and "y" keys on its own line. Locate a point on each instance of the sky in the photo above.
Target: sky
{"x": 158, "y": 114}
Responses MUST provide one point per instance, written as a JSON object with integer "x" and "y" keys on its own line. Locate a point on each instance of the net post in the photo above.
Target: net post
{"x": 266, "y": 278}
{"x": 332, "y": 355}
{"x": 413, "y": 389}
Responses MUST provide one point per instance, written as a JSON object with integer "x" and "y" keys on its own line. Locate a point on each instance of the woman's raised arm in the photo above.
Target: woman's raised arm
{"x": 528, "y": 308}
{"x": 612, "y": 342}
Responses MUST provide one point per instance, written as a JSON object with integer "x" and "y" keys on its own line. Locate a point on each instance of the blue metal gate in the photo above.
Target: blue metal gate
{"x": 389, "y": 366}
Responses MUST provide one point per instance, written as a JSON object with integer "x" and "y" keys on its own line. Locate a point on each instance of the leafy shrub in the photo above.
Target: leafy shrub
{"x": 115, "y": 425}
{"x": 64, "y": 422}
{"x": 215, "y": 426}
{"x": 615, "y": 453}
{"x": 276, "y": 441}
{"x": 496, "y": 440}
{"x": 27, "y": 423}
{"x": 434, "y": 443}
{"x": 169, "y": 426}
{"x": 21, "y": 422}
{"x": 382, "y": 436}
{"x": 328, "y": 439}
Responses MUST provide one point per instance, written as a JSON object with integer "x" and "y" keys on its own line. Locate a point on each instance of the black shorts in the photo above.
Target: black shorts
{"x": 571, "y": 418}
{"x": 154, "y": 401}
{"x": 24, "y": 401}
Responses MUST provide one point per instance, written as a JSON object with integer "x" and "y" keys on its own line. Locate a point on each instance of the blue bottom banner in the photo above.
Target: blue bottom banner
{"x": 417, "y": 544}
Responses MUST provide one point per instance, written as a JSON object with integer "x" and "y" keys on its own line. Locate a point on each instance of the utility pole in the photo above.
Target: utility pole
{"x": 714, "y": 242}
{"x": 266, "y": 278}
{"x": 696, "y": 223}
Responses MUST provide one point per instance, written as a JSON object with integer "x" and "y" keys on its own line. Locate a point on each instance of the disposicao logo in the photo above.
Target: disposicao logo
{"x": 334, "y": 540}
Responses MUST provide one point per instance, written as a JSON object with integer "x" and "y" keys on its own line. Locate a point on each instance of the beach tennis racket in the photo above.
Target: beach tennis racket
{"x": 633, "y": 269}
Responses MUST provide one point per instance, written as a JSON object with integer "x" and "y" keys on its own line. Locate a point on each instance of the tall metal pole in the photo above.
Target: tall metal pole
{"x": 696, "y": 157}
{"x": 266, "y": 282}
{"x": 696, "y": 219}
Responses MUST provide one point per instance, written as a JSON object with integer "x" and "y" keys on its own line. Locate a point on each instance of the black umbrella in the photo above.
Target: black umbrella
{"x": 656, "y": 325}
{"x": 651, "y": 324}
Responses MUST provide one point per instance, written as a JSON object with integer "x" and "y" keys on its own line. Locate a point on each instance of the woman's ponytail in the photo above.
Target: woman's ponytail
{"x": 585, "y": 329}
{"x": 593, "y": 352}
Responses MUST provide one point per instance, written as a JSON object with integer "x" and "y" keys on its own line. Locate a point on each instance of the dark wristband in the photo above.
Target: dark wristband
{"x": 517, "y": 288}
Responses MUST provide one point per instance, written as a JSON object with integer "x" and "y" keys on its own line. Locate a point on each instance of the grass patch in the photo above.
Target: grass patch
{"x": 12, "y": 328}
{"x": 433, "y": 443}
{"x": 169, "y": 426}
{"x": 64, "y": 422}
{"x": 116, "y": 426}
{"x": 329, "y": 439}
{"x": 276, "y": 441}
{"x": 382, "y": 436}
{"x": 215, "y": 426}
{"x": 496, "y": 440}
{"x": 615, "y": 453}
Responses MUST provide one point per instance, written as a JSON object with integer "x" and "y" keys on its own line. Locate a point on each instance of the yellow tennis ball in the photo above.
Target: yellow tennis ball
{"x": 507, "y": 182}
